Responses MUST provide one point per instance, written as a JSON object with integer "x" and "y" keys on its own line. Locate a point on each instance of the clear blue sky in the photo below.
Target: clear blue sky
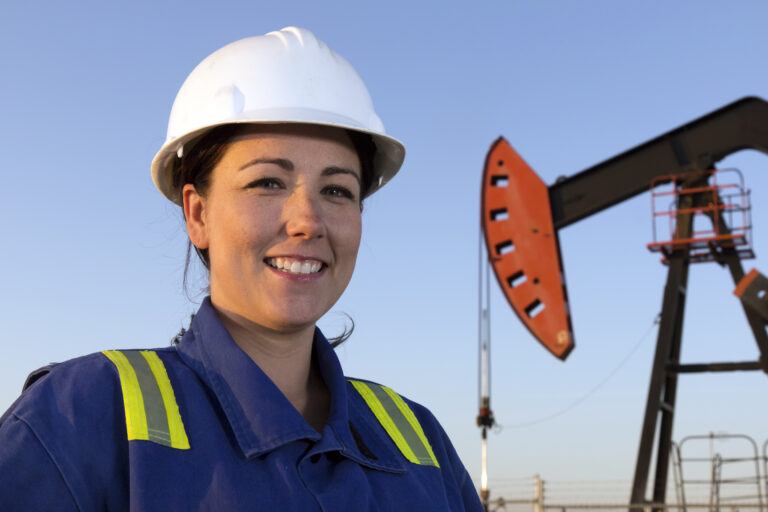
{"x": 93, "y": 254}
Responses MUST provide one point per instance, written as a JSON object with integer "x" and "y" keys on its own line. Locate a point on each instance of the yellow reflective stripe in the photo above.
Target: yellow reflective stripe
{"x": 151, "y": 412}
{"x": 408, "y": 413}
{"x": 175, "y": 425}
{"x": 385, "y": 419}
{"x": 403, "y": 425}
{"x": 133, "y": 401}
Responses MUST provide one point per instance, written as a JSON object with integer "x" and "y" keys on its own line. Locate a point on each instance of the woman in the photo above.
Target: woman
{"x": 272, "y": 146}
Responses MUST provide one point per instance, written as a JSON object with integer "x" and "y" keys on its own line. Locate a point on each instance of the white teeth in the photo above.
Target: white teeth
{"x": 295, "y": 266}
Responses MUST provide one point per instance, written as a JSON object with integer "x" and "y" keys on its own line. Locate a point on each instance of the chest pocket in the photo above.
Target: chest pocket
{"x": 151, "y": 412}
{"x": 399, "y": 422}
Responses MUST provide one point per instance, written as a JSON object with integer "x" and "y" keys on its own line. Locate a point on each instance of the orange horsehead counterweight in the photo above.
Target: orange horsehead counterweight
{"x": 523, "y": 247}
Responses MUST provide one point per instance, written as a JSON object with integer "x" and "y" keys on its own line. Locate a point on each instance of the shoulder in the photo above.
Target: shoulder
{"x": 61, "y": 386}
{"x": 426, "y": 440}
{"x": 72, "y": 416}
{"x": 403, "y": 413}
{"x": 64, "y": 428}
{"x": 367, "y": 388}
{"x": 77, "y": 388}
{"x": 79, "y": 399}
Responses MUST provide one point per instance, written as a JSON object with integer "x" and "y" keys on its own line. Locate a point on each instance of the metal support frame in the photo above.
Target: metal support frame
{"x": 660, "y": 406}
{"x": 696, "y": 146}
{"x": 663, "y": 387}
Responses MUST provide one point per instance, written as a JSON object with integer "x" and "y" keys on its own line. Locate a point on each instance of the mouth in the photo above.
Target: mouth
{"x": 295, "y": 265}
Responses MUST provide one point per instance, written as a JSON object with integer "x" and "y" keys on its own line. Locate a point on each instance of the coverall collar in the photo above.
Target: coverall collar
{"x": 261, "y": 417}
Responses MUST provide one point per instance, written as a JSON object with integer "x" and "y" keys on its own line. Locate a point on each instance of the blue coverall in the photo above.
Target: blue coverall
{"x": 63, "y": 444}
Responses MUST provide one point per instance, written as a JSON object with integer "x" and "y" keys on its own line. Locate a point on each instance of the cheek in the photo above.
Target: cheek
{"x": 238, "y": 228}
{"x": 344, "y": 229}
{"x": 351, "y": 239}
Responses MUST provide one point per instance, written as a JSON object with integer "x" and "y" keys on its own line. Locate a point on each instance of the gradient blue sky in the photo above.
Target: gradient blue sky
{"x": 93, "y": 255}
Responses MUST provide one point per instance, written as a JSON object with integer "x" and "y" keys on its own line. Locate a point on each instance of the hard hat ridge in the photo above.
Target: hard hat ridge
{"x": 285, "y": 76}
{"x": 300, "y": 35}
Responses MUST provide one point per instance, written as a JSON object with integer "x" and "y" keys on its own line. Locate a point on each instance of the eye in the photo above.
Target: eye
{"x": 266, "y": 183}
{"x": 338, "y": 191}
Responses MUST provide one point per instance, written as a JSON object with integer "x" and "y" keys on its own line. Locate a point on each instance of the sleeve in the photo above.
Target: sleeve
{"x": 467, "y": 489}
{"x": 458, "y": 484}
{"x": 29, "y": 477}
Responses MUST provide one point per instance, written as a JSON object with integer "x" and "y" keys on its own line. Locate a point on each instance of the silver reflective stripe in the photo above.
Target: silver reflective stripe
{"x": 154, "y": 408}
{"x": 398, "y": 421}
{"x": 403, "y": 425}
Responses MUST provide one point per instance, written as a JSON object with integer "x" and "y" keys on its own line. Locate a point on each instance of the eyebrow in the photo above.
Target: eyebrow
{"x": 288, "y": 166}
{"x": 330, "y": 171}
{"x": 281, "y": 162}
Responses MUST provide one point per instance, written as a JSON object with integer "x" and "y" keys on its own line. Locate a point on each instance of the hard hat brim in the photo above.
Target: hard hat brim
{"x": 389, "y": 156}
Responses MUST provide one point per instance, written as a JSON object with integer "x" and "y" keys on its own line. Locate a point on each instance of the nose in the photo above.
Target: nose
{"x": 303, "y": 215}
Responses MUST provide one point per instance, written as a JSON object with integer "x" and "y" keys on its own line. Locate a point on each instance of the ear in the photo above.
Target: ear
{"x": 194, "y": 213}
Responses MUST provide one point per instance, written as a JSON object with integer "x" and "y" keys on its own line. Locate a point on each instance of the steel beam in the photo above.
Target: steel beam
{"x": 715, "y": 367}
{"x": 667, "y": 347}
{"x": 697, "y": 145}
{"x": 663, "y": 387}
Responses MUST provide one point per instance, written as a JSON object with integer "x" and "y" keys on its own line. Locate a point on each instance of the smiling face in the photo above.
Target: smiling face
{"x": 281, "y": 222}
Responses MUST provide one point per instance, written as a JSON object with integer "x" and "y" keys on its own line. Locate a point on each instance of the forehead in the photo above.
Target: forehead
{"x": 294, "y": 136}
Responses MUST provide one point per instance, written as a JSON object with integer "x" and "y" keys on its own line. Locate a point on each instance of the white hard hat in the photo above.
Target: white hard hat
{"x": 287, "y": 76}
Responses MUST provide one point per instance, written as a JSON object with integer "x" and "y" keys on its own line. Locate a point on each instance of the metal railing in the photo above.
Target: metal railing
{"x": 731, "y": 481}
{"x": 736, "y": 481}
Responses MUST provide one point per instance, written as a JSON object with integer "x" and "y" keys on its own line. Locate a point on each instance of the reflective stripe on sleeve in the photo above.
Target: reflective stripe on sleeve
{"x": 399, "y": 422}
{"x": 151, "y": 412}
{"x": 175, "y": 426}
{"x": 133, "y": 402}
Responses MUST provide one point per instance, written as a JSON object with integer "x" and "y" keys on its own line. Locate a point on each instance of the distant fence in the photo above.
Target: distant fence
{"x": 705, "y": 480}
{"x": 534, "y": 494}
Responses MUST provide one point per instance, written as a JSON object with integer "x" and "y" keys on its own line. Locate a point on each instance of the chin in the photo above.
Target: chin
{"x": 296, "y": 321}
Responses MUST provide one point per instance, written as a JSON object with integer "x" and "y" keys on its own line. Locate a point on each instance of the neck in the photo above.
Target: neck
{"x": 286, "y": 358}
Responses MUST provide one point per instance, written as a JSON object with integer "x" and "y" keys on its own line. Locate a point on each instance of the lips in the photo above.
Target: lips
{"x": 295, "y": 265}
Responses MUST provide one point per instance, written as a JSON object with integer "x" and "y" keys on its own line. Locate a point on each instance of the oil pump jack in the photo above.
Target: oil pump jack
{"x": 521, "y": 217}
